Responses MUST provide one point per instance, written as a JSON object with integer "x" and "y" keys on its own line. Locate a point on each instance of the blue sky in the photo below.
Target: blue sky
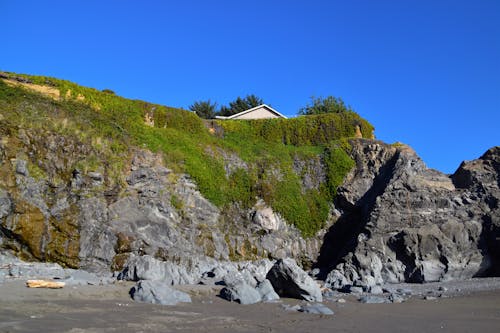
{"x": 424, "y": 72}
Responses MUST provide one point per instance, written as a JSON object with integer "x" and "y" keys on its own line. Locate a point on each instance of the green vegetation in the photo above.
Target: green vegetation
{"x": 204, "y": 109}
{"x": 111, "y": 126}
{"x": 321, "y": 105}
{"x": 208, "y": 110}
{"x": 240, "y": 105}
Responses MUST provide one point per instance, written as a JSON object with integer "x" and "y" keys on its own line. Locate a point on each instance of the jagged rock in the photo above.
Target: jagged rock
{"x": 403, "y": 222}
{"x": 257, "y": 269}
{"x": 289, "y": 280}
{"x": 266, "y": 291}
{"x": 243, "y": 276}
{"x": 241, "y": 292}
{"x": 158, "y": 292}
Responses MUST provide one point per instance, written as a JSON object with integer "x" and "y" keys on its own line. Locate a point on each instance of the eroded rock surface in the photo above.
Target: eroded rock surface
{"x": 404, "y": 222}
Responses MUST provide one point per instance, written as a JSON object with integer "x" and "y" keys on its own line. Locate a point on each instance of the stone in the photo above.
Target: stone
{"x": 96, "y": 176}
{"x": 265, "y": 217}
{"x": 266, "y": 291}
{"x": 336, "y": 280}
{"x": 289, "y": 280}
{"x": 241, "y": 292}
{"x": 158, "y": 292}
{"x": 354, "y": 290}
{"x": 396, "y": 298}
{"x": 5, "y": 204}
{"x": 376, "y": 290}
{"x": 404, "y": 222}
{"x": 148, "y": 268}
{"x": 293, "y": 308}
{"x": 369, "y": 299}
{"x": 22, "y": 167}
{"x": 316, "y": 308}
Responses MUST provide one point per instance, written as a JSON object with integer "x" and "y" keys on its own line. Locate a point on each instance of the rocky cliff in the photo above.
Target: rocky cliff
{"x": 401, "y": 221}
{"x": 88, "y": 183}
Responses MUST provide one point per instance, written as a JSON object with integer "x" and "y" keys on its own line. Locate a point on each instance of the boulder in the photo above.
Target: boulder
{"x": 289, "y": 280}
{"x": 266, "y": 291}
{"x": 158, "y": 292}
{"x": 241, "y": 292}
{"x": 149, "y": 268}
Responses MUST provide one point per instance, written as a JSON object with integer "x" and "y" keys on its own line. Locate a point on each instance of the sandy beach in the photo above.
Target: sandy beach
{"x": 110, "y": 309}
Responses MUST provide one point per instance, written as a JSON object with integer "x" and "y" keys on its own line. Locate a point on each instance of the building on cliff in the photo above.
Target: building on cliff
{"x": 262, "y": 111}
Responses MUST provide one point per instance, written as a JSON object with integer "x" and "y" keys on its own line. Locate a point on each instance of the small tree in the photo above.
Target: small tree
{"x": 240, "y": 105}
{"x": 204, "y": 109}
{"x": 320, "y": 105}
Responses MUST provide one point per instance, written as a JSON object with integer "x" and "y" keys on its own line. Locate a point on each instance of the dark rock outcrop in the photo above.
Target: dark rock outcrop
{"x": 404, "y": 222}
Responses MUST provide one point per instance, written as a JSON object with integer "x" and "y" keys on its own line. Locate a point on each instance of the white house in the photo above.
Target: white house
{"x": 262, "y": 111}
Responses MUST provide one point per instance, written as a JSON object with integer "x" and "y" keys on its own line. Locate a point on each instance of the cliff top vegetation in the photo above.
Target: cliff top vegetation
{"x": 267, "y": 150}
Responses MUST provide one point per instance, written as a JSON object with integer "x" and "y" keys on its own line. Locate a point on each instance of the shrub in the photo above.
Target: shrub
{"x": 321, "y": 105}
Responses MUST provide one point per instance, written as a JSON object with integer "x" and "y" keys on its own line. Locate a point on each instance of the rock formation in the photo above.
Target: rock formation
{"x": 401, "y": 221}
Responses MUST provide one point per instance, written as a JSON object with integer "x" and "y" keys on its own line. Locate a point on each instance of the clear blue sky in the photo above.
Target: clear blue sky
{"x": 424, "y": 72}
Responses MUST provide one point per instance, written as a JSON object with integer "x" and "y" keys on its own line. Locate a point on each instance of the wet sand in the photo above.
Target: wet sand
{"x": 109, "y": 309}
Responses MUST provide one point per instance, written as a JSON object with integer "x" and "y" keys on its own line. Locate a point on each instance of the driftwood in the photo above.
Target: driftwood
{"x": 44, "y": 284}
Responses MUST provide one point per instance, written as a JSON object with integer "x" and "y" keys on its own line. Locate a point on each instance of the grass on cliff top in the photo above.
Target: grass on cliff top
{"x": 112, "y": 124}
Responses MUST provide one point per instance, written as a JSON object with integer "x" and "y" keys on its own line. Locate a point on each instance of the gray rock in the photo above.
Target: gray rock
{"x": 376, "y": 290}
{"x": 82, "y": 278}
{"x": 369, "y": 299}
{"x": 241, "y": 292}
{"x": 22, "y": 167}
{"x": 266, "y": 291}
{"x": 5, "y": 204}
{"x": 36, "y": 270}
{"x": 237, "y": 277}
{"x": 265, "y": 217}
{"x": 354, "y": 290}
{"x": 336, "y": 280}
{"x": 396, "y": 298}
{"x": 158, "y": 292}
{"x": 291, "y": 308}
{"x": 316, "y": 308}
{"x": 404, "y": 222}
{"x": 148, "y": 268}
{"x": 289, "y": 280}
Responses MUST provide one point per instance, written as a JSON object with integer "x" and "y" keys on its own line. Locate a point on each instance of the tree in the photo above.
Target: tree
{"x": 320, "y": 105}
{"x": 240, "y": 105}
{"x": 204, "y": 109}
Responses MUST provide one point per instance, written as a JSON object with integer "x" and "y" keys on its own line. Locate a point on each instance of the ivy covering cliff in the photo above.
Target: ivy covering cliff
{"x": 295, "y": 165}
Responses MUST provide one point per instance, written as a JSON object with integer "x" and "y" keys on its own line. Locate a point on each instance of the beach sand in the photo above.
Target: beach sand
{"x": 110, "y": 309}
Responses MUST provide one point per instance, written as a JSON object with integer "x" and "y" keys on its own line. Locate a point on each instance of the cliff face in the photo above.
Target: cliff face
{"x": 84, "y": 222}
{"x": 404, "y": 222}
{"x": 85, "y": 182}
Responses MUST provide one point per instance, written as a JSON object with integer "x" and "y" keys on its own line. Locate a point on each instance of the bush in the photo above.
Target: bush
{"x": 204, "y": 109}
{"x": 321, "y": 105}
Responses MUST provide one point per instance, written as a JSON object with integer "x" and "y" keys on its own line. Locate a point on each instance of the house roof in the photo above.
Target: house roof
{"x": 253, "y": 109}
